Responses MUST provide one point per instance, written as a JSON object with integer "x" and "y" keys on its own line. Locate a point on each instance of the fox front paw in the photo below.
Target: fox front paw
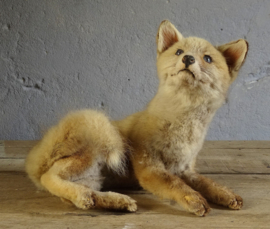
{"x": 228, "y": 199}
{"x": 197, "y": 204}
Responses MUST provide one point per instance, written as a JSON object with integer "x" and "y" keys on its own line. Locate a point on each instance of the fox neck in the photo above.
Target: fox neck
{"x": 174, "y": 103}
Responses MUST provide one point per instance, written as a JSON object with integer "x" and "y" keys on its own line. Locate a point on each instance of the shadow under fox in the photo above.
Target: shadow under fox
{"x": 161, "y": 143}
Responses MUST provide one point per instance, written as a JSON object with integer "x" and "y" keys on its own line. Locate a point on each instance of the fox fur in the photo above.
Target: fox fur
{"x": 158, "y": 146}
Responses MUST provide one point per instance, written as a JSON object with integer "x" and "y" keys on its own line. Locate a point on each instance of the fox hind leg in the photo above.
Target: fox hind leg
{"x": 58, "y": 181}
{"x": 77, "y": 179}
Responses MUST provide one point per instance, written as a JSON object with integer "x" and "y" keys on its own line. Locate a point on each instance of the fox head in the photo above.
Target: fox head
{"x": 194, "y": 65}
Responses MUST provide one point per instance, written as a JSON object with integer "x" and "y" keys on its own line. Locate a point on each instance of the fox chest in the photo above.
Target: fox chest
{"x": 177, "y": 145}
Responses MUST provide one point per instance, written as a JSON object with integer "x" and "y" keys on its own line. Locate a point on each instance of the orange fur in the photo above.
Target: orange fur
{"x": 158, "y": 146}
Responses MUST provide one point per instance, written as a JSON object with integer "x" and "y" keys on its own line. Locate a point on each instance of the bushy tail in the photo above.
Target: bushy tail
{"x": 85, "y": 131}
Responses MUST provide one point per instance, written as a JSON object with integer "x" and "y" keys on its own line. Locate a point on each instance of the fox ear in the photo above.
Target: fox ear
{"x": 235, "y": 54}
{"x": 167, "y": 35}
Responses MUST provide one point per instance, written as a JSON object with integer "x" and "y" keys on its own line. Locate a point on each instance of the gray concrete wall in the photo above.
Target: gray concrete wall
{"x": 58, "y": 56}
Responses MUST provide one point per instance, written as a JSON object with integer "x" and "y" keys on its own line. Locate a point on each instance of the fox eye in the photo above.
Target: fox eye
{"x": 179, "y": 52}
{"x": 208, "y": 59}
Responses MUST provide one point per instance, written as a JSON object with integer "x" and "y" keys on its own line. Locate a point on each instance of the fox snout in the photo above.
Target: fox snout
{"x": 188, "y": 60}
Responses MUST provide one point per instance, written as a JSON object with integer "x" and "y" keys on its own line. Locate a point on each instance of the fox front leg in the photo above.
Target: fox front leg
{"x": 165, "y": 185}
{"x": 212, "y": 191}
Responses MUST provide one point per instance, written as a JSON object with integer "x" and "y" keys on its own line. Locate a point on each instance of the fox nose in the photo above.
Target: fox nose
{"x": 188, "y": 60}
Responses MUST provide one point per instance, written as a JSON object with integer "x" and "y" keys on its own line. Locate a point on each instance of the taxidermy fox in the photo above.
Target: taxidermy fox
{"x": 159, "y": 144}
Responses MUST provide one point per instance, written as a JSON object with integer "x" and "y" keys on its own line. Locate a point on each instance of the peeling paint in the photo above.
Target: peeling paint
{"x": 6, "y": 27}
{"x": 30, "y": 85}
{"x": 261, "y": 74}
